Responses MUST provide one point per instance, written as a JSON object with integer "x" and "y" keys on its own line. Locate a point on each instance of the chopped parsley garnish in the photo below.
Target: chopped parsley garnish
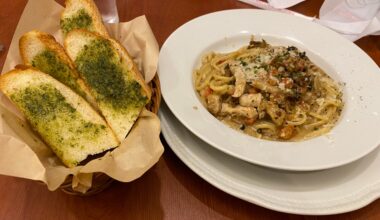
{"x": 103, "y": 71}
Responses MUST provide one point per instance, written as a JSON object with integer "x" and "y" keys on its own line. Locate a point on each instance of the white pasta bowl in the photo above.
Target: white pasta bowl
{"x": 356, "y": 133}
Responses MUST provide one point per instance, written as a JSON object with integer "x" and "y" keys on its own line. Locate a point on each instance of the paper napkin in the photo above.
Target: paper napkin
{"x": 283, "y": 3}
{"x": 353, "y": 19}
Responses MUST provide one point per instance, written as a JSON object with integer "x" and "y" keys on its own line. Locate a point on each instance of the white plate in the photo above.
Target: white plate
{"x": 332, "y": 191}
{"x": 356, "y": 133}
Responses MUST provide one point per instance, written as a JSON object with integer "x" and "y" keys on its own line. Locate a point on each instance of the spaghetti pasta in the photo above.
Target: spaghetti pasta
{"x": 270, "y": 92}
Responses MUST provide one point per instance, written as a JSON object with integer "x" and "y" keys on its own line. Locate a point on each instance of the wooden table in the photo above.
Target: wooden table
{"x": 169, "y": 190}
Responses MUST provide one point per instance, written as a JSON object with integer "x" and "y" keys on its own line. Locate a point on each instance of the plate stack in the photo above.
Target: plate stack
{"x": 333, "y": 173}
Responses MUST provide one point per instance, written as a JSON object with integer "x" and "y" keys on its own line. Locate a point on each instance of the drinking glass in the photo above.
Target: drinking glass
{"x": 108, "y": 9}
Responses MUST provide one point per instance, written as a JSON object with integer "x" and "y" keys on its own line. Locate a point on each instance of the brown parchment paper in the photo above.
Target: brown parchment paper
{"x": 23, "y": 154}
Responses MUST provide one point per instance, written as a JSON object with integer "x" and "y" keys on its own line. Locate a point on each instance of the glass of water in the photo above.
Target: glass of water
{"x": 108, "y": 9}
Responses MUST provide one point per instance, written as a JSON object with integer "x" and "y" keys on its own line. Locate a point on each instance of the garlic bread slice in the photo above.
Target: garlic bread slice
{"x": 82, "y": 14}
{"x": 113, "y": 79}
{"x": 63, "y": 119}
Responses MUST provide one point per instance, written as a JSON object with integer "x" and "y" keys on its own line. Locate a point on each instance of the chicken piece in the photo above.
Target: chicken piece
{"x": 253, "y": 100}
{"x": 277, "y": 114}
{"x": 214, "y": 103}
{"x": 240, "y": 80}
{"x": 240, "y": 111}
{"x": 265, "y": 87}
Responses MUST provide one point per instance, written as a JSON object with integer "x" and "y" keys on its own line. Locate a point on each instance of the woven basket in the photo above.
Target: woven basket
{"x": 101, "y": 181}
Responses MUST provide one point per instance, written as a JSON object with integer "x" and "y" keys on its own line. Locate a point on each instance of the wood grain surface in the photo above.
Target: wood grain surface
{"x": 169, "y": 190}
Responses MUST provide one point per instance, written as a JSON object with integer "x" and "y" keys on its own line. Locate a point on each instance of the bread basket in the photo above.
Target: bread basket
{"x": 101, "y": 181}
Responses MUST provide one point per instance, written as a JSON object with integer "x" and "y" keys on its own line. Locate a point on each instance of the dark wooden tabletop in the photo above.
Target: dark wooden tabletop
{"x": 169, "y": 190}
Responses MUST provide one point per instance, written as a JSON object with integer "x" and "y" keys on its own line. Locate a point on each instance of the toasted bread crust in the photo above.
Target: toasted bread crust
{"x": 49, "y": 42}
{"x": 91, "y": 8}
{"x": 16, "y": 80}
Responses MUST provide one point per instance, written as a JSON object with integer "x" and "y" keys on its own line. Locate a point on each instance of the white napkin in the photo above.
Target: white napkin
{"x": 283, "y": 3}
{"x": 352, "y": 18}
{"x": 267, "y": 6}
